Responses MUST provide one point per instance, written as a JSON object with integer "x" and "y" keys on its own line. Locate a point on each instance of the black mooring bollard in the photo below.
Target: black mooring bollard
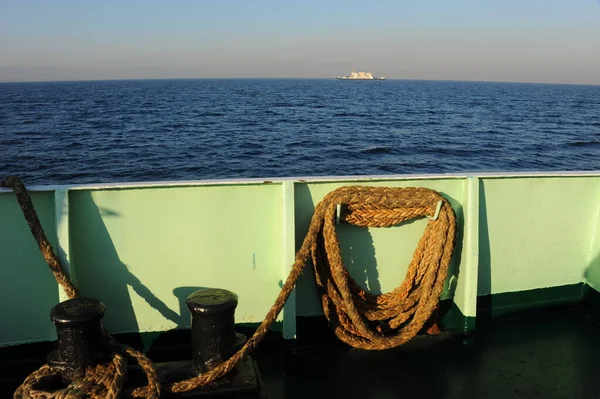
{"x": 213, "y": 327}
{"x": 81, "y": 342}
{"x": 214, "y": 340}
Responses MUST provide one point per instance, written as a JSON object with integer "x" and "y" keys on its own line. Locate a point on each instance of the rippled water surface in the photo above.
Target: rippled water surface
{"x": 115, "y": 131}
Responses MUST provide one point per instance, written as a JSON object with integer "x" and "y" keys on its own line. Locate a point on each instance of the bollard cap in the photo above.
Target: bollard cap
{"x": 77, "y": 311}
{"x": 210, "y": 301}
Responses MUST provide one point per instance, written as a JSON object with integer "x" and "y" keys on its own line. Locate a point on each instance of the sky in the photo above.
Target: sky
{"x": 554, "y": 41}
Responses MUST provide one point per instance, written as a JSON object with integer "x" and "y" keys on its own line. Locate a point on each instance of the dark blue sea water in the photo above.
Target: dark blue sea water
{"x": 115, "y": 131}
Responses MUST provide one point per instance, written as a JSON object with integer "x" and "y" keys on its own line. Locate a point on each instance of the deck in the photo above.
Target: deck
{"x": 543, "y": 355}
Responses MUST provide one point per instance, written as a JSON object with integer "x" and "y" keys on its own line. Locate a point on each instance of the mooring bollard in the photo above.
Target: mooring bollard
{"x": 214, "y": 340}
{"x": 213, "y": 327}
{"x": 81, "y": 342}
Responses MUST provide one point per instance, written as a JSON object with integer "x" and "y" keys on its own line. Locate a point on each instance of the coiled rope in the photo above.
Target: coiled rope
{"x": 360, "y": 319}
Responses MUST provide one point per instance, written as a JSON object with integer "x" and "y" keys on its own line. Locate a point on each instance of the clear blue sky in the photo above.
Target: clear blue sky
{"x": 503, "y": 40}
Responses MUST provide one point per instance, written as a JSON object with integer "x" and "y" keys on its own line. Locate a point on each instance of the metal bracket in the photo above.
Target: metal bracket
{"x": 437, "y": 211}
{"x": 338, "y": 211}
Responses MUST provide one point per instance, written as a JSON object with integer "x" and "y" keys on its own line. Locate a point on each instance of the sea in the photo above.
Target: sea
{"x": 207, "y": 129}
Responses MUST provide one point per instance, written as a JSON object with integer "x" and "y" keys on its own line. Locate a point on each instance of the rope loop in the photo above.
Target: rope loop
{"x": 383, "y": 321}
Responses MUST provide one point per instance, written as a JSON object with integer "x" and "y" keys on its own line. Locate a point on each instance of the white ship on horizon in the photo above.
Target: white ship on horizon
{"x": 360, "y": 76}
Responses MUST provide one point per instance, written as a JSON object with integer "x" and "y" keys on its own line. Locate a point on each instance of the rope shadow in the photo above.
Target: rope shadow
{"x": 101, "y": 273}
{"x": 358, "y": 252}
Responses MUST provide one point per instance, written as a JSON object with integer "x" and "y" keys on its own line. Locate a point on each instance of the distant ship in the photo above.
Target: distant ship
{"x": 360, "y": 76}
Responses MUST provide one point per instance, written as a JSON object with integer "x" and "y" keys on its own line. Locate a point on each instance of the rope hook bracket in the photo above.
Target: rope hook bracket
{"x": 437, "y": 211}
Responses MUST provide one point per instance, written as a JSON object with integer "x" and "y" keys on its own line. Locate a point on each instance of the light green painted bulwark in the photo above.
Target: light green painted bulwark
{"x": 142, "y": 249}
{"x": 536, "y": 232}
{"x": 27, "y": 287}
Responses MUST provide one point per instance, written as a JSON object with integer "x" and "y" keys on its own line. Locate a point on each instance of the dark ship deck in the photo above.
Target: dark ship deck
{"x": 546, "y": 355}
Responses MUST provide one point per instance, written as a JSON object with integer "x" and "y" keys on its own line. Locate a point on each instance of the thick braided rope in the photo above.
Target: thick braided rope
{"x": 373, "y": 322}
{"x": 359, "y": 318}
{"x": 35, "y": 226}
{"x": 101, "y": 381}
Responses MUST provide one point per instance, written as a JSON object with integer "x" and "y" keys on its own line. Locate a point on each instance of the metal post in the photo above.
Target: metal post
{"x": 214, "y": 341}
{"x": 81, "y": 342}
{"x": 213, "y": 327}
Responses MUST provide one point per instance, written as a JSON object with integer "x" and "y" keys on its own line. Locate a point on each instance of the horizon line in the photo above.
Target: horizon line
{"x": 290, "y": 78}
